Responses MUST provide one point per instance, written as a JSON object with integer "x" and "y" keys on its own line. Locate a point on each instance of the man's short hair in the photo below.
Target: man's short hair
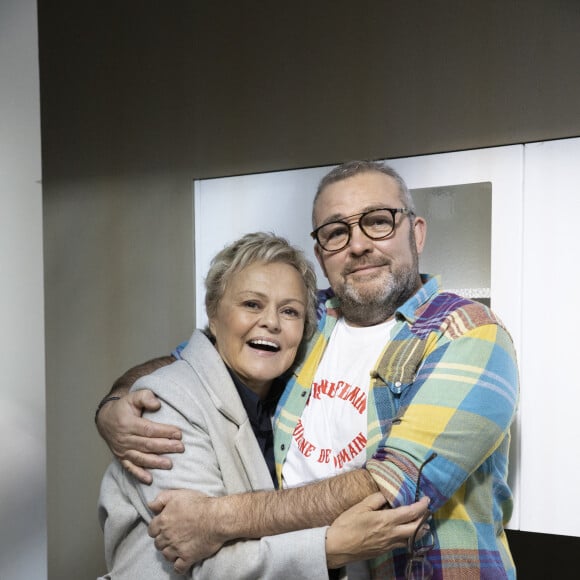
{"x": 352, "y": 168}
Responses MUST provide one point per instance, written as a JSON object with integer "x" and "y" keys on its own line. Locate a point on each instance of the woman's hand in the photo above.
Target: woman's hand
{"x": 366, "y": 531}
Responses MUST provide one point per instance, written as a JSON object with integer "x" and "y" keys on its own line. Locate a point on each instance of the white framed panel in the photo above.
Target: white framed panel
{"x": 226, "y": 208}
{"x": 550, "y": 464}
{"x": 503, "y": 167}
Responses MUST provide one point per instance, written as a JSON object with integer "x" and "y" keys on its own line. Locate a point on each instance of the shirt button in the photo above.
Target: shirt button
{"x": 303, "y": 394}
{"x": 282, "y": 447}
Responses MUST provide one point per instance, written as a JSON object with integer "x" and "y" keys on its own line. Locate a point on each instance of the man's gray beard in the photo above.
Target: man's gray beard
{"x": 366, "y": 309}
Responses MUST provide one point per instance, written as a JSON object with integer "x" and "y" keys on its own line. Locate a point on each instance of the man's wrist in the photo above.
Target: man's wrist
{"x": 103, "y": 402}
{"x": 225, "y": 512}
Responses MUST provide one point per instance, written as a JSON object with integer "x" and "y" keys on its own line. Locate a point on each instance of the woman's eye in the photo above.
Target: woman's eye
{"x": 291, "y": 312}
{"x": 252, "y": 304}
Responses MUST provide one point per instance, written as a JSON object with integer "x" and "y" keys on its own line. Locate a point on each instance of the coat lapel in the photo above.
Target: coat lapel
{"x": 205, "y": 360}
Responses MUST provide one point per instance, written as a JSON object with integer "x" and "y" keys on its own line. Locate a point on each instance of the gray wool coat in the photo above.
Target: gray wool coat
{"x": 221, "y": 457}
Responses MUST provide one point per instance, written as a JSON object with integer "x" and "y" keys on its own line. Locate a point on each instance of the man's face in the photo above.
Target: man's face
{"x": 371, "y": 278}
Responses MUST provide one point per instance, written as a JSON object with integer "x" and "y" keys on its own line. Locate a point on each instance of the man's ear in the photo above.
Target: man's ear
{"x": 320, "y": 258}
{"x": 420, "y": 230}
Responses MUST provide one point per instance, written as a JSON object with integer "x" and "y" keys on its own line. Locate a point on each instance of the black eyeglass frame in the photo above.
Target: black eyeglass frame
{"x": 418, "y": 554}
{"x": 361, "y": 216}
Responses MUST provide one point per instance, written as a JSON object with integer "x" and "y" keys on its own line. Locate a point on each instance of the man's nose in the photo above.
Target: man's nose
{"x": 359, "y": 243}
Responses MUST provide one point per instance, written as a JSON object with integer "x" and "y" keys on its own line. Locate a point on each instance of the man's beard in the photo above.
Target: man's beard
{"x": 368, "y": 306}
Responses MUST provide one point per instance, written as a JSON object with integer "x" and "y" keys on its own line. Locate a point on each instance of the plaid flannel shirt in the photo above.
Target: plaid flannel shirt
{"x": 447, "y": 382}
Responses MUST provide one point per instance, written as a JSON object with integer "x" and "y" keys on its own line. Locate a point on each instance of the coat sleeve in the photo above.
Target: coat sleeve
{"x": 125, "y": 517}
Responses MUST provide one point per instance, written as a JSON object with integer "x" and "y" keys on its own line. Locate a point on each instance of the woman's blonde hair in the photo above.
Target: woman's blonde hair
{"x": 250, "y": 249}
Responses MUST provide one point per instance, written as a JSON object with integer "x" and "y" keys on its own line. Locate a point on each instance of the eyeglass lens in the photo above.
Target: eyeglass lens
{"x": 419, "y": 568}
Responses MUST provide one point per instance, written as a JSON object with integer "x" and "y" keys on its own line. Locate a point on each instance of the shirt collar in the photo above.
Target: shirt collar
{"x": 430, "y": 285}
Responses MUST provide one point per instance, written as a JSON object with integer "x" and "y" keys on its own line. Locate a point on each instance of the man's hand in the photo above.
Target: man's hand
{"x": 186, "y": 527}
{"x": 137, "y": 442}
{"x": 365, "y": 530}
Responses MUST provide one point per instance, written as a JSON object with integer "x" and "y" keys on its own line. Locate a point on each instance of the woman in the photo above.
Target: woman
{"x": 260, "y": 301}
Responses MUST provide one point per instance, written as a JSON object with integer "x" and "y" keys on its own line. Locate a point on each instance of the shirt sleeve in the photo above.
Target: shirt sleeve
{"x": 176, "y": 352}
{"x": 460, "y": 407}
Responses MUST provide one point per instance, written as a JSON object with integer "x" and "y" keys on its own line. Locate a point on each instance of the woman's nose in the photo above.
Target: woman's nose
{"x": 271, "y": 319}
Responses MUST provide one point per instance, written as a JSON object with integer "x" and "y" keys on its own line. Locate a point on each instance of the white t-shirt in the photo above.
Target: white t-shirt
{"x": 331, "y": 436}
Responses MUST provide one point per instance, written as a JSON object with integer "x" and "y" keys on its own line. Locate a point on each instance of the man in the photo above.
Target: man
{"x": 404, "y": 389}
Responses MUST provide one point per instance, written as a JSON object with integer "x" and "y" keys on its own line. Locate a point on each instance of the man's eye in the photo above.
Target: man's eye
{"x": 379, "y": 224}
{"x": 379, "y": 220}
{"x": 336, "y": 231}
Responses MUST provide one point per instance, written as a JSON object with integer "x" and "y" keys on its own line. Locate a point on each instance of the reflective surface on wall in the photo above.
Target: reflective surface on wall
{"x": 459, "y": 236}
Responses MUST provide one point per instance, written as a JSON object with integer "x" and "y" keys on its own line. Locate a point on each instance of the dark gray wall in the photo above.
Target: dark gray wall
{"x": 235, "y": 87}
{"x": 139, "y": 97}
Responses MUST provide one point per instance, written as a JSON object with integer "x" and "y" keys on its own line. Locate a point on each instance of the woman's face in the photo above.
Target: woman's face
{"x": 259, "y": 322}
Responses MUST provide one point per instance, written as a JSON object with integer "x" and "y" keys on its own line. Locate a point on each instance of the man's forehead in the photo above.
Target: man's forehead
{"x": 357, "y": 194}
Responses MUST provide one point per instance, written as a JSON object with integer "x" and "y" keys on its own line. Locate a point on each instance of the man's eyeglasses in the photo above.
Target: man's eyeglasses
{"x": 376, "y": 224}
{"x": 418, "y": 567}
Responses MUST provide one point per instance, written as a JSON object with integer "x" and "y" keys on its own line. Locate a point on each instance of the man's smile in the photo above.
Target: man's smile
{"x": 362, "y": 269}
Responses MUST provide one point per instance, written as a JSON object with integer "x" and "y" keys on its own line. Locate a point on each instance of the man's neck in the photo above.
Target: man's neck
{"x": 371, "y": 314}
{"x": 366, "y": 324}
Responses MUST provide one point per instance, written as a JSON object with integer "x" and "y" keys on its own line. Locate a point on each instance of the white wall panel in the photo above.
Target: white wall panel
{"x": 23, "y": 536}
{"x": 550, "y": 420}
{"x": 226, "y": 208}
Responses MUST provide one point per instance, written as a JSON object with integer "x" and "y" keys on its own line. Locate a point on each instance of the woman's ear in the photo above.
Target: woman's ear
{"x": 211, "y": 326}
